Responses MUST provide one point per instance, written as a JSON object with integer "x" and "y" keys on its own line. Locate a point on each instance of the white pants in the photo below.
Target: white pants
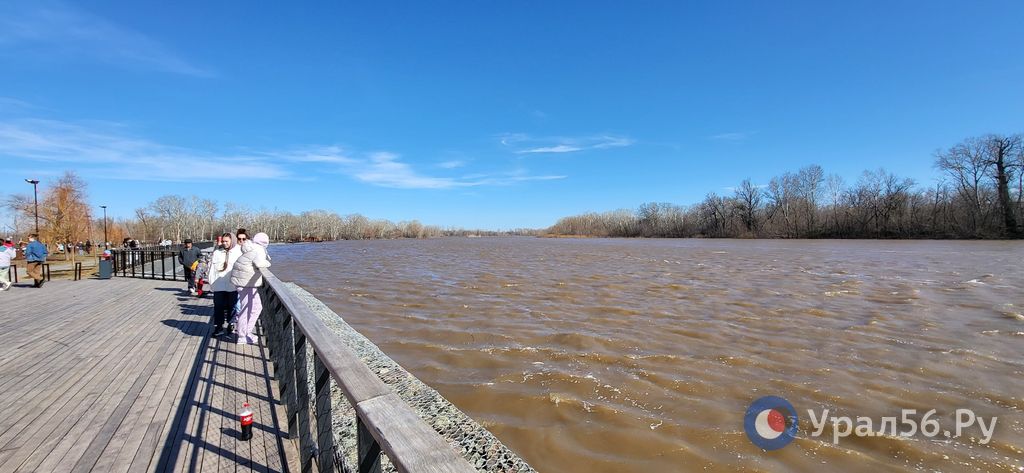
{"x": 250, "y": 307}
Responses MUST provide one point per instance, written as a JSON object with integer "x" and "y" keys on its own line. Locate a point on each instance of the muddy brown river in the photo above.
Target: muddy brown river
{"x": 616, "y": 355}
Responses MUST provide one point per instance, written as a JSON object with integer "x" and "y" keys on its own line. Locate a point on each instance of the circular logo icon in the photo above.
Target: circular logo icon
{"x": 771, "y": 422}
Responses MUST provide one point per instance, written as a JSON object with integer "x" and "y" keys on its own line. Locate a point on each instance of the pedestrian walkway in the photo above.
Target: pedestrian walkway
{"x": 121, "y": 375}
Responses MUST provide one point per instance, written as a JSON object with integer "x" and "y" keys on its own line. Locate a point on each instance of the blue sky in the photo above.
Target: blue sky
{"x": 491, "y": 114}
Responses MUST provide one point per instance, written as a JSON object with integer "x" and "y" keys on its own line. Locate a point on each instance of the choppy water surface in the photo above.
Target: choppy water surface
{"x": 642, "y": 355}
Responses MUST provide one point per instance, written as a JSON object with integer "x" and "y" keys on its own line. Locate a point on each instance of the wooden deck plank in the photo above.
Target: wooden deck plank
{"x": 228, "y": 425}
{"x": 62, "y": 370}
{"x": 214, "y": 421}
{"x": 127, "y": 441}
{"x": 265, "y": 452}
{"x": 228, "y": 463}
{"x": 126, "y": 368}
{"x": 263, "y": 435}
{"x": 171, "y": 434}
{"x": 147, "y": 456}
{"x": 67, "y": 409}
{"x": 84, "y": 454}
{"x": 42, "y": 333}
{"x": 55, "y": 443}
{"x": 188, "y": 437}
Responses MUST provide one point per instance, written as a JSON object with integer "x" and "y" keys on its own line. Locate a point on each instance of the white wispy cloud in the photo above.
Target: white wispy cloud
{"x": 111, "y": 151}
{"x": 53, "y": 29}
{"x": 106, "y": 149}
{"x": 9, "y": 103}
{"x": 526, "y": 144}
{"x": 451, "y": 164}
{"x": 387, "y": 170}
{"x": 732, "y": 136}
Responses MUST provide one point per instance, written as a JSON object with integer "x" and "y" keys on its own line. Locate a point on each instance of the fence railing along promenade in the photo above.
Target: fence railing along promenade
{"x": 150, "y": 263}
{"x": 308, "y": 359}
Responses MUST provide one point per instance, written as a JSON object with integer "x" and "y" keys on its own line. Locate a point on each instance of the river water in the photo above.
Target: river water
{"x": 628, "y": 355}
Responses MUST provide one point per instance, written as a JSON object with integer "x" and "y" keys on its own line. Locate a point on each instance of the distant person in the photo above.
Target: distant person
{"x": 7, "y": 253}
{"x": 35, "y": 256}
{"x": 246, "y": 278}
{"x": 188, "y": 256}
{"x": 225, "y": 296}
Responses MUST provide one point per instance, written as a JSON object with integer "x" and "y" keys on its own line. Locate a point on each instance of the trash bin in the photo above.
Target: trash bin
{"x": 106, "y": 268}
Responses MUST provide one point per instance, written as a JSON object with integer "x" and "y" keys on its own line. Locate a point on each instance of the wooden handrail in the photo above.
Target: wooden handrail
{"x": 385, "y": 422}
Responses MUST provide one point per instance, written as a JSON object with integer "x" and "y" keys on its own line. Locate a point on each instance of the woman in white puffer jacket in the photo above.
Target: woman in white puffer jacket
{"x": 225, "y": 296}
{"x": 246, "y": 278}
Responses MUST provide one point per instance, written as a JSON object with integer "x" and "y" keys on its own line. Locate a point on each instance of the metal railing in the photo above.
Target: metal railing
{"x": 150, "y": 264}
{"x": 301, "y": 345}
{"x": 147, "y": 264}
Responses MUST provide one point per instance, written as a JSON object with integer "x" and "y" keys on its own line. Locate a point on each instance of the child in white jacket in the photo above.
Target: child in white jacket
{"x": 247, "y": 279}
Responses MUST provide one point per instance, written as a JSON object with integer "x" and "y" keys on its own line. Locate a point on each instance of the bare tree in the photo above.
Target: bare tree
{"x": 748, "y": 199}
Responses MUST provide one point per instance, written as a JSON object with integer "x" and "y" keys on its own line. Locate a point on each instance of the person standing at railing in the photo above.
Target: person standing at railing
{"x": 188, "y": 256}
{"x": 246, "y": 278}
{"x": 7, "y": 253}
{"x": 35, "y": 256}
{"x": 224, "y": 293}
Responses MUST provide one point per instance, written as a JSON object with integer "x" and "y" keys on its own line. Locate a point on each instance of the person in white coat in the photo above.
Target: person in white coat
{"x": 246, "y": 278}
{"x": 7, "y": 253}
{"x": 225, "y": 295}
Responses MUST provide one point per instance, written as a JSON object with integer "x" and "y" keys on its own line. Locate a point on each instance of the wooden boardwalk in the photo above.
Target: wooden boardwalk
{"x": 121, "y": 375}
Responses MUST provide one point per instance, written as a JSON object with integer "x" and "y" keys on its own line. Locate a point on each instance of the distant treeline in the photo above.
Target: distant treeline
{"x": 980, "y": 196}
{"x": 177, "y": 217}
{"x": 66, "y": 216}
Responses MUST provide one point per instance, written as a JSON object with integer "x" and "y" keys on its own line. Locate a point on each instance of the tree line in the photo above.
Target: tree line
{"x": 66, "y": 216}
{"x": 979, "y": 196}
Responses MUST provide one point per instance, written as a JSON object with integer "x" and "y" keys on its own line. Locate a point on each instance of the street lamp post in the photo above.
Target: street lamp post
{"x": 35, "y": 193}
{"x": 104, "y": 207}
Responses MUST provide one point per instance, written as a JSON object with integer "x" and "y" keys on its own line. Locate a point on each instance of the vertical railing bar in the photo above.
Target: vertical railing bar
{"x": 286, "y": 381}
{"x": 324, "y": 416}
{"x": 306, "y": 443}
{"x": 368, "y": 450}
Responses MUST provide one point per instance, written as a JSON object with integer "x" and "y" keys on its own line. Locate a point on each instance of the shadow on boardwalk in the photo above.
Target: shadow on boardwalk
{"x": 205, "y": 425}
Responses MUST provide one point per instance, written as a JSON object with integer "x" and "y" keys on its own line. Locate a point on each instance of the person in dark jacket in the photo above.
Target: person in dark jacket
{"x": 187, "y": 257}
{"x": 35, "y": 256}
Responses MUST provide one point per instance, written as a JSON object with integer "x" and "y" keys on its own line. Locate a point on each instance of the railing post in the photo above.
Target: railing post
{"x": 163, "y": 266}
{"x": 324, "y": 416}
{"x": 285, "y": 369}
{"x": 14, "y": 269}
{"x": 306, "y": 443}
{"x": 368, "y": 450}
